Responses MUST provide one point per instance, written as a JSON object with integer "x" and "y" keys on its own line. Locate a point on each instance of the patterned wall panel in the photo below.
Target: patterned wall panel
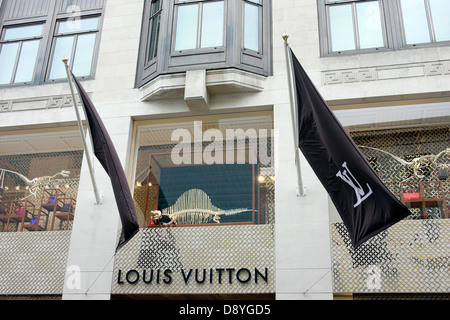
{"x": 202, "y": 249}
{"x": 33, "y": 263}
{"x": 413, "y": 256}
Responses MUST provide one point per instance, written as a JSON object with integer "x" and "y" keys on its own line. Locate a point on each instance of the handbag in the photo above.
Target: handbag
{"x": 51, "y": 199}
{"x": 411, "y": 195}
{"x": 65, "y": 207}
{"x": 20, "y": 211}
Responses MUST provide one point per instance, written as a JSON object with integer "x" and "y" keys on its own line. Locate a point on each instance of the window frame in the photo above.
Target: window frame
{"x": 392, "y": 24}
{"x": 431, "y": 29}
{"x": 75, "y": 34}
{"x": 198, "y": 48}
{"x": 231, "y": 55}
{"x": 325, "y": 28}
{"x": 260, "y": 25}
{"x": 150, "y": 32}
{"x": 20, "y": 42}
{"x": 50, "y": 22}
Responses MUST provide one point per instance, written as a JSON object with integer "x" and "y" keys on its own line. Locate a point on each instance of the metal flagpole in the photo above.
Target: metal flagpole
{"x": 98, "y": 198}
{"x": 301, "y": 190}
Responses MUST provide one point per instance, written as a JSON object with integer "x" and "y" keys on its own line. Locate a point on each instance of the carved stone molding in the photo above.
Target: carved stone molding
{"x": 38, "y": 103}
{"x": 386, "y": 72}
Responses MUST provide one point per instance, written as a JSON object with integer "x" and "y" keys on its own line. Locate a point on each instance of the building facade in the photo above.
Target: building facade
{"x": 195, "y": 96}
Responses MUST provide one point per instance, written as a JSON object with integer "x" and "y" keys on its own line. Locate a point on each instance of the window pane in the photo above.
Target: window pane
{"x": 251, "y": 27}
{"x": 84, "y": 54}
{"x": 440, "y": 11}
{"x": 342, "y": 30}
{"x": 415, "y": 21}
{"x": 154, "y": 37}
{"x": 77, "y": 25}
{"x": 212, "y": 24}
{"x": 8, "y": 56}
{"x": 156, "y": 6}
{"x": 63, "y": 47}
{"x": 369, "y": 25}
{"x": 187, "y": 26}
{"x": 23, "y": 32}
{"x": 27, "y": 61}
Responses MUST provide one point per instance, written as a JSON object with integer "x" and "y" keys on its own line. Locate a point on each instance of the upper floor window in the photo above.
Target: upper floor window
{"x": 355, "y": 26}
{"x": 252, "y": 25}
{"x": 425, "y": 21}
{"x": 181, "y": 35}
{"x": 153, "y": 32}
{"x": 199, "y": 25}
{"x": 77, "y": 41}
{"x": 19, "y": 52}
{"x": 35, "y": 35}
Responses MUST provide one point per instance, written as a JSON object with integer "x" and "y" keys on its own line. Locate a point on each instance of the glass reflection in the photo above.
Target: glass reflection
{"x": 212, "y": 24}
{"x": 415, "y": 21}
{"x": 440, "y": 12}
{"x": 187, "y": 24}
{"x": 251, "y": 27}
{"x": 27, "y": 61}
{"x": 84, "y": 54}
{"x": 369, "y": 25}
{"x": 342, "y": 30}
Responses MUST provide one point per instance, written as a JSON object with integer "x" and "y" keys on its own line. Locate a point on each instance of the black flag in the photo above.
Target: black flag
{"x": 364, "y": 203}
{"x": 106, "y": 154}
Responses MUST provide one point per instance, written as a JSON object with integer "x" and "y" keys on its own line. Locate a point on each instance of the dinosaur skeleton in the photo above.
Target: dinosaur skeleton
{"x": 34, "y": 185}
{"x": 194, "y": 207}
{"x": 419, "y": 162}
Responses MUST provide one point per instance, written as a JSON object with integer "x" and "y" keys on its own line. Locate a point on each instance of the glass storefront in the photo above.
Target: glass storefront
{"x": 209, "y": 171}
{"x": 414, "y": 164}
{"x": 38, "y": 190}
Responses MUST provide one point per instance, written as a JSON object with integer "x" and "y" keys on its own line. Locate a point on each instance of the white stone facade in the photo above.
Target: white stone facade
{"x": 358, "y": 87}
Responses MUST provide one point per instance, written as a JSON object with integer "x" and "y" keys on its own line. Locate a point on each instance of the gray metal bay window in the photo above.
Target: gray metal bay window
{"x": 35, "y": 35}
{"x": 181, "y": 35}
{"x": 356, "y": 26}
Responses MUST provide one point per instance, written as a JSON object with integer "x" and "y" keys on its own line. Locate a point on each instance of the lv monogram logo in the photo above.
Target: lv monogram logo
{"x": 350, "y": 179}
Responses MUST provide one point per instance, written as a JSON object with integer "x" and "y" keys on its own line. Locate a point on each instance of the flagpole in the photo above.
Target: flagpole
{"x": 301, "y": 190}
{"x": 98, "y": 198}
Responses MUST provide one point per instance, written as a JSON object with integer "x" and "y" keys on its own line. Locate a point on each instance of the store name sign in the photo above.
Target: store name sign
{"x": 199, "y": 276}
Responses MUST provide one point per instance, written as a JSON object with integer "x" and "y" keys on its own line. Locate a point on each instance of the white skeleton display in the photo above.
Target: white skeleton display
{"x": 419, "y": 162}
{"x": 194, "y": 207}
{"x": 38, "y": 183}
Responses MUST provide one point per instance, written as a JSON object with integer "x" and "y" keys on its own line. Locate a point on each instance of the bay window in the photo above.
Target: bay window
{"x": 182, "y": 35}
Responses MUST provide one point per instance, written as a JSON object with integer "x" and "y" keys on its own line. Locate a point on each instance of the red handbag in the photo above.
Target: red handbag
{"x": 411, "y": 195}
{"x": 20, "y": 211}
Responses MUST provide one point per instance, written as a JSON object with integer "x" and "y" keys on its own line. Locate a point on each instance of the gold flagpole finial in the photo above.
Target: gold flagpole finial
{"x": 285, "y": 36}
{"x": 65, "y": 60}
